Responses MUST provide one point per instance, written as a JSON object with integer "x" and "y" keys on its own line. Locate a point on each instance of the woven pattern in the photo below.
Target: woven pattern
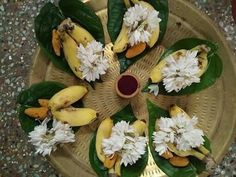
{"x": 215, "y": 106}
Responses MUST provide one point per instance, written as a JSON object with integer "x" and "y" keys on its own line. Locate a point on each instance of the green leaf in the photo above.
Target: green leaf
{"x": 125, "y": 114}
{"x": 45, "y": 90}
{"x": 135, "y": 170}
{"x": 212, "y": 73}
{"x": 47, "y": 20}
{"x": 195, "y": 167}
{"x": 116, "y": 11}
{"x": 82, "y": 14}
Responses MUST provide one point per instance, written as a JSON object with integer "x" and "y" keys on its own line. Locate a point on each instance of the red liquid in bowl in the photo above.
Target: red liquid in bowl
{"x": 127, "y": 84}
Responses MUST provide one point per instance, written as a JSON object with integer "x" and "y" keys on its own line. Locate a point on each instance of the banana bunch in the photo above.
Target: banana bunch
{"x": 104, "y": 132}
{"x": 122, "y": 41}
{"x": 61, "y": 109}
{"x": 179, "y": 158}
{"x": 68, "y": 36}
{"x": 156, "y": 73}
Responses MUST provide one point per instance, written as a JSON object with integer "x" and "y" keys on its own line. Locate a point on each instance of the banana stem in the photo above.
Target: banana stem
{"x": 204, "y": 150}
{"x": 112, "y": 173}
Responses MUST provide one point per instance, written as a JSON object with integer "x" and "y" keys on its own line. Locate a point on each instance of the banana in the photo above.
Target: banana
{"x": 202, "y": 58}
{"x": 155, "y": 34}
{"x": 156, "y": 73}
{"x": 139, "y": 127}
{"x": 174, "y": 111}
{"x": 70, "y": 50}
{"x": 186, "y": 153}
{"x": 66, "y": 97}
{"x": 122, "y": 40}
{"x": 75, "y": 116}
{"x": 104, "y": 131}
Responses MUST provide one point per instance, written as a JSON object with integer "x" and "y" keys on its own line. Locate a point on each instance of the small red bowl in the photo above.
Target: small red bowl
{"x": 127, "y": 85}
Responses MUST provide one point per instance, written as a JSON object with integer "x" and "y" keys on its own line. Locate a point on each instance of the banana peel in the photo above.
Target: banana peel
{"x": 139, "y": 127}
{"x": 67, "y": 96}
{"x": 103, "y": 132}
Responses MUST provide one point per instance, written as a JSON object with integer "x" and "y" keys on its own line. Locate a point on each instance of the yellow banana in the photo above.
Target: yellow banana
{"x": 80, "y": 35}
{"x": 156, "y": 73}
{"x": 70, "y": 49}
{"x": 139, "y": 127}
{"x": 186, "y": 153}
{"x": 104, "y": 131}
{"x": 122, "y": 40}
{"x": 174, "y": 111}
{"x": 66, "y": 97}
{"x": 75, "y": 116}
{"x": 155, "y": 34}
{"x": 202, "y": 58}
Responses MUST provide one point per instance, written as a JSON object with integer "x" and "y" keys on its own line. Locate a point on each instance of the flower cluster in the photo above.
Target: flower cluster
{"x": 45, "y": 140}
{"x": 179, "y": 130}
{"x": 125, "y": 142}
{"x": 93, "y": 61}
{"x": 141, "y": 23}
{"x": 182, "y": 72}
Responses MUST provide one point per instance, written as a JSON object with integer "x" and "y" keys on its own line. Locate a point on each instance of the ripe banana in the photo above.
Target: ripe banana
{"x": 186, "y": 153}
{"x": 66, "y": 97}
{"x": 155, "y": 34}
{"x": 174, "y": 111}
{"x": 75, "y": 116}
{"x": 104, "y": 131}
{"x": 127, "y": 3}
{"x": 70, "y": 50}
{"x": 122, "y": 40}
{"x": 118, "y": 166}
{"x": 156, "y": 73}
{"x": 139, "y": 127}
{"x": 78, "y": 33}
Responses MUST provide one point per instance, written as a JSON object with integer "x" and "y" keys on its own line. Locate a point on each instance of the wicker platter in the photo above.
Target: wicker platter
{"x": 215, "y": 106}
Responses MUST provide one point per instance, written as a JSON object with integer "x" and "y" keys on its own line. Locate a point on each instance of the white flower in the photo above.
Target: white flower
{"x": 179, "y": 130}
{"x": 141, "y": 22}
{"x": 182, "y": 72}
{"x": 46, "y": 140}
{"x": 93, "y": 61}
{"x": 125, "y": 142}
{"x": 154, "y": 88}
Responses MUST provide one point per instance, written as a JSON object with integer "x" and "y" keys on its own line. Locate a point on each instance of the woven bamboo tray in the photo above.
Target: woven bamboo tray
{"x": 215, "y": 106}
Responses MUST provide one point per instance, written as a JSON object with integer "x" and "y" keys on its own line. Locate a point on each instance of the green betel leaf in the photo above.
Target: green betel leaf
{"x": 116, "y": 11}
{"x": 82, "y": 14}
{"x": 45, "y": 90}
{"x": 135, "y": 170}
{"x": 48, "y": 19}
{"x": 195, "y": 167}
{"x": 213, "y": 72}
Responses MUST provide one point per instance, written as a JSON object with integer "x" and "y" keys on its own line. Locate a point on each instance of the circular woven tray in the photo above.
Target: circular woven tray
{"x": 215, "y": 106}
